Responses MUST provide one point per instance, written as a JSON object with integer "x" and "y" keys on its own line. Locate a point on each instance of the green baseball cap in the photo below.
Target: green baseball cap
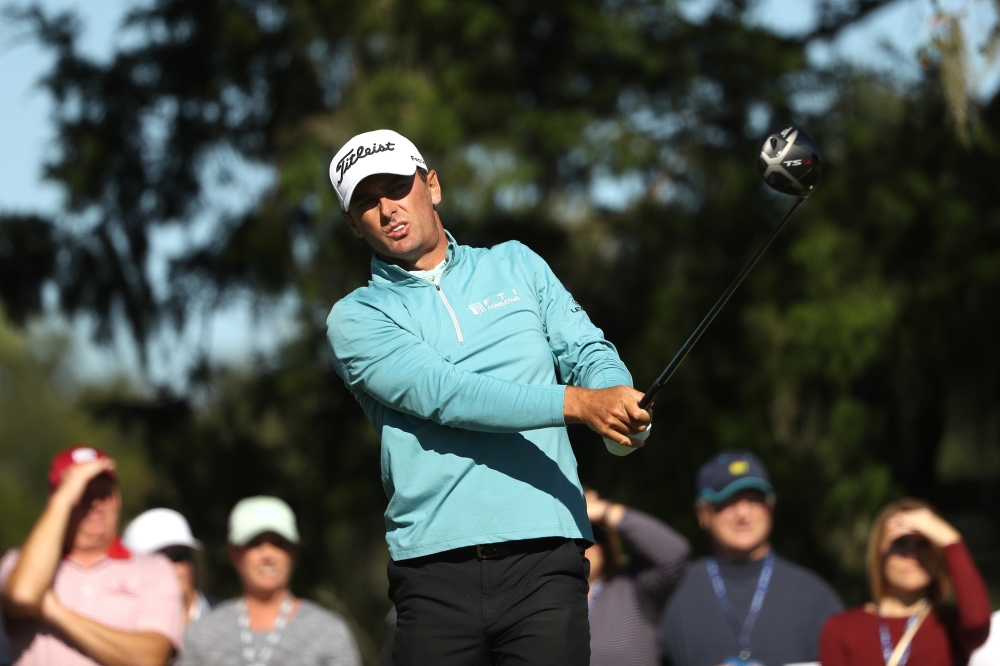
{"x": 253, "y": 516}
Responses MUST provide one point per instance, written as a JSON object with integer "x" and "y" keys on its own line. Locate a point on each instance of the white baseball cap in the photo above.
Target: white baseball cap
{"x": 156, "y": 529}
{"x": 381, "y": 151}
{"x": 253, "y": 516}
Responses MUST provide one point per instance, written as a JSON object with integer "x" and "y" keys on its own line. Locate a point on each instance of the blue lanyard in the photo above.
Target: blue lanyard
{"x": 887, "y": 647}
{"x": 742, "y": 630}
{"x": 596, "y": 590}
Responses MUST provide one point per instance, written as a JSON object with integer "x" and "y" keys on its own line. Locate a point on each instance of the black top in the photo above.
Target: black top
{"x": 694, "y": 630}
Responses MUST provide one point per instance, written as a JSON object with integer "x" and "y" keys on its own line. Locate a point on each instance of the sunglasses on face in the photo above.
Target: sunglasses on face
{"x": 909, "y": 545}
{"x": 178, "y": 554}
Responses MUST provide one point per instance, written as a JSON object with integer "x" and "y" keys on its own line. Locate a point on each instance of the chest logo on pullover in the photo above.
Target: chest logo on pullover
{"x": 492, "y": 303}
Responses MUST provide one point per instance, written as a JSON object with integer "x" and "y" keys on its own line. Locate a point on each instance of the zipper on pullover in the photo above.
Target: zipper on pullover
{"x": 454, "y": 319}
{"x": 444, "y": 299}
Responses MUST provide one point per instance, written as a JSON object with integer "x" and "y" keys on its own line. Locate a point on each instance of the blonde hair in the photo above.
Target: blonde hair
{"x": 940, "y": 585}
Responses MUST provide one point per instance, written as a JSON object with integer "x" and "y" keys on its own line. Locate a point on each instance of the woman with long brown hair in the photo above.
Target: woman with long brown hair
{"x": 929, "y": 604}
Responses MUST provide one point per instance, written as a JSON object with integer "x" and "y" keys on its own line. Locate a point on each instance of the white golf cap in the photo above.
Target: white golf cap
{"x": 255, "y": 515}
{"x": 156, "y": 529}
{"x": 381, "y": 151}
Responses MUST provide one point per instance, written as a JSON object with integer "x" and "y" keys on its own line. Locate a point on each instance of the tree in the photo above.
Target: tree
{"x": 39, "y": 417}
{"x": 617, "y": 140}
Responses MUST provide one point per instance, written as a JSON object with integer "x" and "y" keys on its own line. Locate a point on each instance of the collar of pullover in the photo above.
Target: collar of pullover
{"x": 384, "y": 272}
{"x": 734, "y": 569}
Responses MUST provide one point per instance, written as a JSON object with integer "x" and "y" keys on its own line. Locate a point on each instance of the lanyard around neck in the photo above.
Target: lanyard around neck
{"x": 743, "y": 629}
{"x": 883, "y": 634}
{"x": 246, "y": 636}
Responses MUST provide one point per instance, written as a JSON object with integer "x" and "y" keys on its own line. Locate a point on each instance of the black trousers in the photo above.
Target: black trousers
{"x": 527, "y": 607}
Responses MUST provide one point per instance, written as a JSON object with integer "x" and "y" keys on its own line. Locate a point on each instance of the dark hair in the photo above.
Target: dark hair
{"x": 611, "y": 548}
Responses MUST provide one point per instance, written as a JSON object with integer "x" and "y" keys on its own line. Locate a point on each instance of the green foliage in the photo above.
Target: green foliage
{"x": 618, "y": 140}
{"x": 38, "y": 417}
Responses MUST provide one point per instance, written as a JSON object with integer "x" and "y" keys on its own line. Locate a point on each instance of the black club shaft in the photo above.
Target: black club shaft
{"x": 696, "y": 335}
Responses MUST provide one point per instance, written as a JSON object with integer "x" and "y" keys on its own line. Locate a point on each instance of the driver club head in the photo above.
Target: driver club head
{"x": 789, "y": 162}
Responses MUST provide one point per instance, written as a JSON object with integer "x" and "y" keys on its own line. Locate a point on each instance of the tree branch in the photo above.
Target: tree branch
{"x": 835, "y": 16}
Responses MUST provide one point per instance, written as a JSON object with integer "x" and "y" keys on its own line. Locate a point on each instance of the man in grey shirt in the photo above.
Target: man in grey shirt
{"x": 743, "y": 605}
{"x": 267, "y": 624}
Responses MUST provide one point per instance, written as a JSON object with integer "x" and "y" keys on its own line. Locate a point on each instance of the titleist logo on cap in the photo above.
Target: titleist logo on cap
{"x": 361, "y": 152}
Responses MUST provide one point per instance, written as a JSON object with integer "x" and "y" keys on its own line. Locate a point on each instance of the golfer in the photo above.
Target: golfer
{"x": 470, "y": 362}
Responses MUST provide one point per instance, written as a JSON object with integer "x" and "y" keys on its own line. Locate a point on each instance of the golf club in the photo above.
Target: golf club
{"x": 789, "y": 162}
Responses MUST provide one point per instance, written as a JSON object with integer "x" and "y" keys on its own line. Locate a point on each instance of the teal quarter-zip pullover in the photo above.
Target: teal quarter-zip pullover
{"x": 460, "y": 381}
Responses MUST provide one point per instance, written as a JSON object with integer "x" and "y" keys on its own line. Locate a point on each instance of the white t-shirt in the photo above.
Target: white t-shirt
{"x": 989, "y": 653}
{"x": 433, "y": 275}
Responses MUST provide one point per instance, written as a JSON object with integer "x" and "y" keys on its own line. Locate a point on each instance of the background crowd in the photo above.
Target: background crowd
{"x": 76, "y": 594}
{"x": 616, "y": 139}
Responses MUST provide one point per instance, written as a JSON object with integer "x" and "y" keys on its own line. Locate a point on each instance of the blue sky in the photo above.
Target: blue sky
{"x": 887, "y": 41}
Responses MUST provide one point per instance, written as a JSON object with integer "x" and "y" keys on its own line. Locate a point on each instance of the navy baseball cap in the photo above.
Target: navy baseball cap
{"x": 730, "y": 472}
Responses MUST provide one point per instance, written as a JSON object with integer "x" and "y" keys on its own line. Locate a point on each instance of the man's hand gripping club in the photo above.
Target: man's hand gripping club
{"x": 613, "y": 413}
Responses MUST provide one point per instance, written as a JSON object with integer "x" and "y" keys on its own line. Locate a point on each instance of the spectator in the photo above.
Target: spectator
{"x": 625, "y": 602}
{"x": 4, "y": 650}
{"x": 915, "y": 559}
{"x": 743, "y": 604}
{"x": 166, "y": 532}
{"x": 989, "y": 653}
{"x": 73, "y": 594}
{"x": 267, "y": 624}
{"x": 388, "y": 638}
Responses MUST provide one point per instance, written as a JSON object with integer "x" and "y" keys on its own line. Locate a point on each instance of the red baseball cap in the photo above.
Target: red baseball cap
{"x": 74, "y": 455}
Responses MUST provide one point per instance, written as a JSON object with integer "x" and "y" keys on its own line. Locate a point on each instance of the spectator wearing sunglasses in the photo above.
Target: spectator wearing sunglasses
{"x": 930, "y": 605}
{"x": 166, "y": 532}
{"x": 73, "y": 595}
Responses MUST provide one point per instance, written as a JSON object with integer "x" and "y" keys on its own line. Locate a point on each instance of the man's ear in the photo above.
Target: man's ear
{"x": 234, "y": 555}
{"x": 704, "y": 512}
{"x": 351, "y": 223}
{"x": 434, "y": 185}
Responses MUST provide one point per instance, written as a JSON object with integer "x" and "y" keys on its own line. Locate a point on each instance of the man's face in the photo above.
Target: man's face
{"x": 395, "y": 214}
{"x": 94, "y": 520}
{"x": 738, "y": 525}
{"x": 264, "y": 564}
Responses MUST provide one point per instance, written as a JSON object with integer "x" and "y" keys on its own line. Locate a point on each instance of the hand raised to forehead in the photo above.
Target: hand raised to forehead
{"x": 76, "y": 478}
{"x": 924, "y": 522}
{"x": 596, "y": 505}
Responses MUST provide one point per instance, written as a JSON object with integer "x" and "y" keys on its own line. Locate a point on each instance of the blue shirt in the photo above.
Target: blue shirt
{"x": 459, "y": 380}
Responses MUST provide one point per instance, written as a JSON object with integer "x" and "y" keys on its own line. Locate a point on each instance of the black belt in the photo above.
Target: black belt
{"x": 491, "y": 551}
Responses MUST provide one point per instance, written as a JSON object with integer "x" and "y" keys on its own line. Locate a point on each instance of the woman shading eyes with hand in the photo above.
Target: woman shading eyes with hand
{"x": 929, "y": 605}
